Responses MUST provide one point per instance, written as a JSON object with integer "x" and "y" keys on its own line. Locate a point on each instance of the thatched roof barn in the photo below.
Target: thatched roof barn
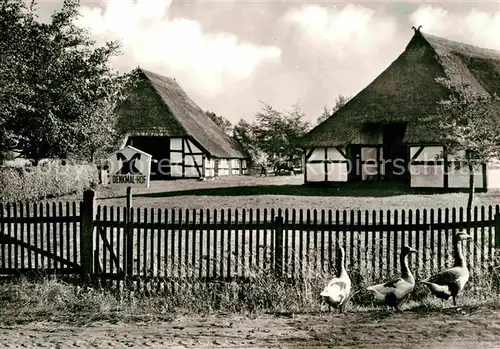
{"x": 385, "y": 120}
{"x": 159, "y": 118}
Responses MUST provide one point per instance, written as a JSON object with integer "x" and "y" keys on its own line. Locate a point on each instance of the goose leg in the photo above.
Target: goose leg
{"x": 454, "y": 302}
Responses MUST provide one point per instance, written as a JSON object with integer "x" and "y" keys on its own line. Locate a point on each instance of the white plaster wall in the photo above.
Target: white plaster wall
{"x": 315, "y": 172}
{"x": 459, "y": 178}
{"x": 235, "y": 166}
{"x": 337, "y": 172}
{"x": 317, "y": 154}
{"x": 209, "y": 167}
{"x": 194, "y": 148}
{"x": 431, "y": 153}
{"x": 223, "y": 164}
{"x": 175, "y": 143}
{"x": 334, "y": 154}
{"x": 430, "y": 176}
{"x": 191, "y": 172}
{"x": 190, "y": 160}
{"x": 371, "y": 168}
{"x": 175, "y": 157}
{"x": 176, "y": 170}
{"x": 209, "y": 163}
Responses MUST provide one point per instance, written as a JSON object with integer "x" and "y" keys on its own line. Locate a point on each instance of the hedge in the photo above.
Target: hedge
{"x": 47, "y": 180}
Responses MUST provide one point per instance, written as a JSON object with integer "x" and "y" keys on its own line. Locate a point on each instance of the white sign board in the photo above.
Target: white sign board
{"x": 129, "y": 167}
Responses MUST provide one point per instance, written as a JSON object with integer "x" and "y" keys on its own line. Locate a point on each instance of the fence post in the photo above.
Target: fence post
{"x": 278, "y": 246}
{"x": 86, "y": 235}
{"x": 129, "y": 253}
{"x": 497, "y": 230}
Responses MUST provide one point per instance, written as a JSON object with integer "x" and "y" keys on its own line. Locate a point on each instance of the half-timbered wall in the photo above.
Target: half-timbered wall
{"x": 325, "y": 165}
{"x": 459, "y": 177}
{"x": 186, "y": 159}
{"x": 225, "y": 167}
{"x": 371, "y": 162}
{"x": 426, "y": 166}
{"x": 235, "y": 166}
{"x": 244, "y": 167}
{"x": 209, "y": 167}
{"x": 430, "y": 168}
{"x": 222, "y": 167}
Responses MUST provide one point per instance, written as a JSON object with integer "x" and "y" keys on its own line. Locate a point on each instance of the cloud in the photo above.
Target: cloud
{"x": 175, "y": 46}
{"x": 352, "y": 30}
{"x": 476, "y": 27}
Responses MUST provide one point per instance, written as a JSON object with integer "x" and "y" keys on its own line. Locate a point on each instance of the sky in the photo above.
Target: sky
{"x": 232, "y": 56}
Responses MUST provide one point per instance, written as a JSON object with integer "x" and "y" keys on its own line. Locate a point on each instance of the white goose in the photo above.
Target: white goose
{"x": 338, "y": 289}
{"x": 394, "y": 291}
{"x": 450, "y": 282}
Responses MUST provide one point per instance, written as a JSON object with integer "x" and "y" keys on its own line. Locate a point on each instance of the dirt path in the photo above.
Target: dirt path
{"x": 479, "y": 330}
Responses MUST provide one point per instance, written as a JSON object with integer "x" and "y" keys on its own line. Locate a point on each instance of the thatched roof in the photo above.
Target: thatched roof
{"x": 407, "y": 90}
{"x": 158, "y": 106}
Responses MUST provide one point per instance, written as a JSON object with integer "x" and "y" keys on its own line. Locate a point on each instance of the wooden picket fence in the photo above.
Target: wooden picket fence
{"x": 140, "y": 244}
{"x": 40, "y": 237}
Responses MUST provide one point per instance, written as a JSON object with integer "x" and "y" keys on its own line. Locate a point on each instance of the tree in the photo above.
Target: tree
{"x": 244, "y": 135}
{"x": 58, "y": 83}
{"x": 277, "y": 132}
{"x": 340, "y": 101}
{"x": 222, "y": 122}
{"x": 467, "y": 123}
{"x": 12, "y": 22}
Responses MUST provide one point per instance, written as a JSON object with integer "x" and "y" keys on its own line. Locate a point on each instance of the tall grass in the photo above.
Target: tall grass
{"x": 50, "y": 298}
{"x": 47, "y": 180}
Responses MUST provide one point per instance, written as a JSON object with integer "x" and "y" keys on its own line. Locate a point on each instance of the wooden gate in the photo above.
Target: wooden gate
{"x": 40, "y": 237}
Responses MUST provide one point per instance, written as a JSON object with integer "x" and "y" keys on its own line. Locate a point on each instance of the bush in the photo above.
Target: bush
{"x": 49, "y": 179}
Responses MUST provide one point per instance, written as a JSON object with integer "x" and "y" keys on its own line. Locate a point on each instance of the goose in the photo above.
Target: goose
{"x": 394, "y": 291}
{"x": 338, "y": 289}
{"x": 450, "y": 282}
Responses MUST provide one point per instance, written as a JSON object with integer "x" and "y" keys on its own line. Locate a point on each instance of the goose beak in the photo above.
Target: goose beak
{"x": 412, "y": 250}
{"x": 464, "y": 236}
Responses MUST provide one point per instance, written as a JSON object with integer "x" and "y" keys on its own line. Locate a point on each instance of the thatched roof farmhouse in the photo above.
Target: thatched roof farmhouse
{"x": 384, "y": 120}
{"x": 159, "y": 118}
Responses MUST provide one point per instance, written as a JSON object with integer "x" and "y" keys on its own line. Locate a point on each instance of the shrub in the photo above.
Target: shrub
{"x": 49, "y": 179}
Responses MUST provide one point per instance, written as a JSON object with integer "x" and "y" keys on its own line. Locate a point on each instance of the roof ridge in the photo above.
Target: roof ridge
{"x": 156, "y": 75}
{"x": 458, "y": 46}
{"x": 194, "y": 122}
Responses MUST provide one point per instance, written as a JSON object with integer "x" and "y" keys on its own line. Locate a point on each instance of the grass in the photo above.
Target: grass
{"x": 283, "y": 192}
{"x": 26, "y": 300}
{"x": 52, "y": 299}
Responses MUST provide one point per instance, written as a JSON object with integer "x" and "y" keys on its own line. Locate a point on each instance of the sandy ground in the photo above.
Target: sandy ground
{"x": 479, "y": 329}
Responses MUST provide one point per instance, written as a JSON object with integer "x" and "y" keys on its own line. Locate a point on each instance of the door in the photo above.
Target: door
{"x": 355, "y": 170}
{"x": 395, "y": 153}
{"x": 159, "y": 148}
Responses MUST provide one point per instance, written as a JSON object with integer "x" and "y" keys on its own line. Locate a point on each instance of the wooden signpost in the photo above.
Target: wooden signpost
{"x": 131, "y": 168}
